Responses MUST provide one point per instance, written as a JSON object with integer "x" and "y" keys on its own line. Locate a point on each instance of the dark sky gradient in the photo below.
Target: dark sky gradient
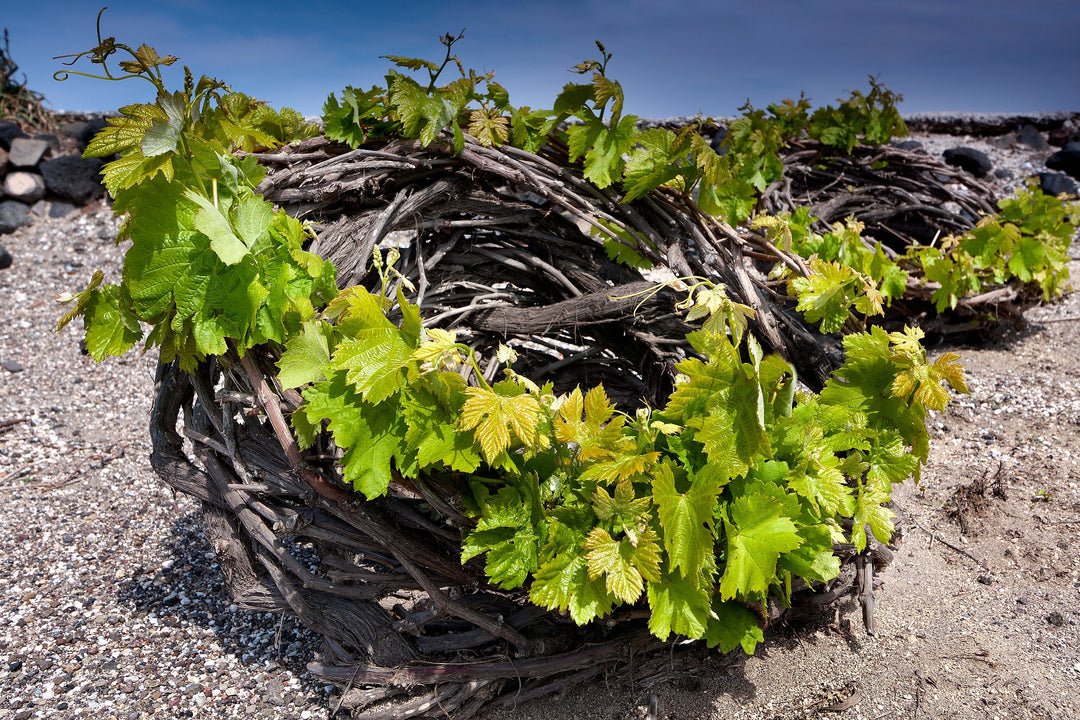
{"x": 673, "y": 57}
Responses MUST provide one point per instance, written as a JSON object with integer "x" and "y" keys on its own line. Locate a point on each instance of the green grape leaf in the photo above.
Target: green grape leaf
{"x": 163, "y": 135}
{"x": 430, "y": 408}
{"x": 376, "y": 353}
{"x": 422, "y": 116}
{"x": 603, "y": 160}
{"x": 654, "y": 161}
{"x": 336, "y": 401}
{"x": 210, "y": 221}
{"x": 146, "y": 58}
{"x": 126, "y": 132}
{"x": 573, "y": 97}
{"x": 623, "y": 254}
{"x": 828, "y": 295}
{"x": 306, "y": 355}
{"x": 491, "y": 416}
{"x": 679, "y": 605}
{"x": 814, "y": 559}
{"x": 622, "y": 466}
{"x": 251, "y": 218}
{"x": 562, "y": 583}
{"x": 732, "y": 625}
{"x": 588, "y": 422}
{"x": 870, "y": 511}
{"x": 349, "y": 121}
{"x": 130, "y": 170}
{"x": 623, "y": 509}
{"x": 511, "y": 553}
{"x": 412, "y": 63}
{"x": 507, "y": 534}
{"x": 164, "y": 244}
{"x": 372, "y": 435}
{"x": 889, "y": 460}
{"x": 624, "y": 565}
{"x": 687, "y": 519}
{"x": 757, "y": 533}
{"x": 111, "y": 327}
{"x": 81, "y": 299}
{"x": 608, "y": 89}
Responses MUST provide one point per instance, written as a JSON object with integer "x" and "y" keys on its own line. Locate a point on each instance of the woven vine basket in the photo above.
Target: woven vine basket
{"x": 501, "y": 246}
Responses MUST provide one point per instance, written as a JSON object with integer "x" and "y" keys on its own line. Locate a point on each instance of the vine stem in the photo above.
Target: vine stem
{"x": 268, "y": 402}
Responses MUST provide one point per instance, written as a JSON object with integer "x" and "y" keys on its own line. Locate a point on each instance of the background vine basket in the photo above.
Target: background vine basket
{"x": 500, "y": 246}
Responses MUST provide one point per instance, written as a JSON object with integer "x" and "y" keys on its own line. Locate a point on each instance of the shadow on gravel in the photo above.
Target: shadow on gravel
{"x": 187, "y": 590}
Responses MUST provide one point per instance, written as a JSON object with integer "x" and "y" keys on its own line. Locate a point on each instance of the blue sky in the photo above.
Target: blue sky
{"x": 673, "y": 57}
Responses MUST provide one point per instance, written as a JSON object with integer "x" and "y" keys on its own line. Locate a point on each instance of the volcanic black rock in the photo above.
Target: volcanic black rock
{"x": 974, "y": 161}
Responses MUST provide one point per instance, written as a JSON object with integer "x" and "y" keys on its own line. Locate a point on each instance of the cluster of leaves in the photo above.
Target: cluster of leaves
{"x": 850, "y": 276}
{"x": 1027, "y": 241}
{"x": 212, "y": 265}
{"x": 589, "y": 119}
{"x": 872, "y": 119}
{"x": 705, "y": 508}
{"x": 18, "y": 102}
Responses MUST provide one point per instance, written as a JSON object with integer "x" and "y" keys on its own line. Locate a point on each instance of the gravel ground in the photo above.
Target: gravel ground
{"x": 111, "y": 604}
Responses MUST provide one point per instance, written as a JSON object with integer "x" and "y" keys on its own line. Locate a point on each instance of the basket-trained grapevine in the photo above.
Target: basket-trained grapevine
{"x": 431, "y": 409}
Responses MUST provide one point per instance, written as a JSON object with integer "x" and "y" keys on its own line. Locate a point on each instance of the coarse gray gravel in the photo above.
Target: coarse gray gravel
{"x": 111, "y": 604}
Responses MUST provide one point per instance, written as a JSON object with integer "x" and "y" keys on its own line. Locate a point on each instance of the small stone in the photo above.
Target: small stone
{"x": 26, "y": 187}
{"x": 5, "y": 258}
{"x": 986, "y": 580}
{"x": 52, "y": 140}
{"x": 13, "y": 215}
{"x": 11, "y": 366}
{"x": 1056, "y": 619}
{"x": 26, "y": 152}
{"x": 60, "y": 209}
{"x": 192, "y": 689}
{"x": 1067, "y": 161}
{"x": 275, "y": 692}
{"x": 1032, "y": 138}
{"x": 8, "y": 132}
{"x": 74, "y": 128}
{"x": 73, "y": 178}
{"x": 974, "y": 161}
{"x": 24, "y": 714}
{"x": 14, "y": 666}
{"x": 1056, "y": 183}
